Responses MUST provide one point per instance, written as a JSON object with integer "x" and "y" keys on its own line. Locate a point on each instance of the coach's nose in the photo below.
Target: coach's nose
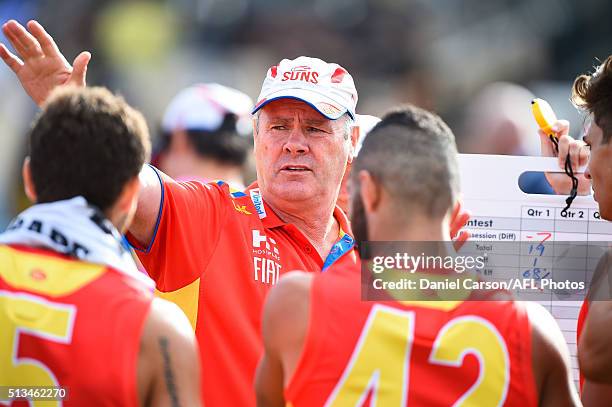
{"x": 296, "y": 143}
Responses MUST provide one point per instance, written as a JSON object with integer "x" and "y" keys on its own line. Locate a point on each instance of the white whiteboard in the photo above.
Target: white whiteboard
{"x": 502, "y": 212}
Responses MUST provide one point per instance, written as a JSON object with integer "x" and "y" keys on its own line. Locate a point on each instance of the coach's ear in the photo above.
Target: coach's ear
{"x": 28, "y": 184}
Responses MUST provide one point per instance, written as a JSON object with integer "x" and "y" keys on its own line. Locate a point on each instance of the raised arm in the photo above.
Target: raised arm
{"x": 40, "y": 68}
{"x": 594, "y": 348}
{"x": 595, "y": 354}
{"x": 550, "y": 360}
{"x": 39, "y": 65}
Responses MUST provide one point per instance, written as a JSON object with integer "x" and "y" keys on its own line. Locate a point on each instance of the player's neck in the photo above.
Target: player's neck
{"x": 414, "y": 229}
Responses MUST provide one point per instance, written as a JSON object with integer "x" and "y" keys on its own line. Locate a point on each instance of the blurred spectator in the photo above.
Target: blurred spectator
{"x": 206, "y": 130}
{"x": 499, "y": 121}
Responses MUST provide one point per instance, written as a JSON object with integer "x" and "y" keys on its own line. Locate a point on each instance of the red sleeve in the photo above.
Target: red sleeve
{"x": 187, "y": 230}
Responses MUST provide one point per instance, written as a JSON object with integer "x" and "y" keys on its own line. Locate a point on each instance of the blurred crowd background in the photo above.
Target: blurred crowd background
{"x": 476, "y": 63}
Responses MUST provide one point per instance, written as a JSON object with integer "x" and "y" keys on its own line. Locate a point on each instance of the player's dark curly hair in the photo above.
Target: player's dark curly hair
{"x": 593, "y": 93}
{"x": 88, "y": 142}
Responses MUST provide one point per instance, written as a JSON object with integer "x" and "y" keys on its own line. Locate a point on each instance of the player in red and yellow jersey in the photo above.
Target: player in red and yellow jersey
{"x": 76, "y": 314}
{"x": 593, "y": 93}
{"x": 325, "y": 346}
{"x": 91, "y": 329}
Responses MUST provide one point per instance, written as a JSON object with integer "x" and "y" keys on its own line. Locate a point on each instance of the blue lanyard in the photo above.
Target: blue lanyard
{"x": 345, "y": 244}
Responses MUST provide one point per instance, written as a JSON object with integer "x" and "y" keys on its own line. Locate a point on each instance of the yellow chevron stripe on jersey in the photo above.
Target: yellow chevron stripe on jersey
{"x": 186, "y": 298}
{"x": 43, "y": 274}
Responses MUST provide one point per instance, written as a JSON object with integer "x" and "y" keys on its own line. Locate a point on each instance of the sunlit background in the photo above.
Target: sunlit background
{"x": 444, "y": 55}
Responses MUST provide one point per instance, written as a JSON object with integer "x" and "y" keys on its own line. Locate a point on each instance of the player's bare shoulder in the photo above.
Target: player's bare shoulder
{"x": 168, "y": 369}
{"x": 550, "y": 359}
{"x": 287, "y": 308}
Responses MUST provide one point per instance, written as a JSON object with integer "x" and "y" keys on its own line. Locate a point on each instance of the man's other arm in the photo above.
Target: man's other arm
{"x": 550, "y": 360}
{"x": 594, "y": 350}
{"x": 595, "y": 347}
{"x": 595, "y": 354}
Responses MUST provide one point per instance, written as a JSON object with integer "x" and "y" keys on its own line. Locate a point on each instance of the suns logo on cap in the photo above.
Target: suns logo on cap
{"x": 301, "y": 73}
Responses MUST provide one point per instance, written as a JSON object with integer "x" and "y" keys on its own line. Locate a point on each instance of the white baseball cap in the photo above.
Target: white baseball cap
{"x": 204, "y": 106}
{"x": 328, "y": 88}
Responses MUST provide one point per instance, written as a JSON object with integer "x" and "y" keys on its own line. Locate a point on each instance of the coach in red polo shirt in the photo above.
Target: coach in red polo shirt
{"x": 216, "y": 252}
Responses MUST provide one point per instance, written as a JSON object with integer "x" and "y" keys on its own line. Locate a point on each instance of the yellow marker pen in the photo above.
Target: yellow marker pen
{"x": 544, "y": 116}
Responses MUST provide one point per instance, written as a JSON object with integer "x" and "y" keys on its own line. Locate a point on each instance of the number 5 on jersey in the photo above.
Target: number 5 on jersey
{"x": 35, "y": 316}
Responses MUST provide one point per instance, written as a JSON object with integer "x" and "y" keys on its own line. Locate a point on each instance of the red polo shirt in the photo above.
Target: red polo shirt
{"x": 216, "y": 253}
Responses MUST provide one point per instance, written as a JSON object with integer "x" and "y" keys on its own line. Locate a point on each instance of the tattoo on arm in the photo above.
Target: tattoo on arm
{"x": 168, "y": 374}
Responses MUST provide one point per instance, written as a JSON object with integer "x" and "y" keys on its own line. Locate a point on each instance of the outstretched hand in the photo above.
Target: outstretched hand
{"x": 39, "y": 65}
